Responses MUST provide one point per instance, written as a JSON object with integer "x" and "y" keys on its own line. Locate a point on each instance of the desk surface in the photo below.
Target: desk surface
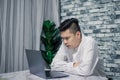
{"x": 25, "y": 75}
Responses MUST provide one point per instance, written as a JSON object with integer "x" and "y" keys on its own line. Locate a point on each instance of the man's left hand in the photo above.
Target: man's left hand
{"x": 75, "y": 64}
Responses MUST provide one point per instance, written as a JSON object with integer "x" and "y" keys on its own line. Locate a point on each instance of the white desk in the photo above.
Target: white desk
{"x": 25, "y": 75}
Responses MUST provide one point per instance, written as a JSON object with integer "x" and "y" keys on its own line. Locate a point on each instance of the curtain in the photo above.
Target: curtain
{"x": 51, "y": 11}
{"x": 20, "y": 29}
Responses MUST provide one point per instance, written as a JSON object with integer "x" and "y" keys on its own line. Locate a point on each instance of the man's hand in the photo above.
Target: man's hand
{"x": 75, "y": 64}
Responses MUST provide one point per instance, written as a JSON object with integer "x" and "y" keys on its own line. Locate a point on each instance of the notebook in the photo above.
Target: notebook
{"x": 37, "y": 65}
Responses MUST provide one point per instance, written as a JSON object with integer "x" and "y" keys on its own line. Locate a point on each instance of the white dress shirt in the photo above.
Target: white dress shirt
{"x": 87, "y": 54}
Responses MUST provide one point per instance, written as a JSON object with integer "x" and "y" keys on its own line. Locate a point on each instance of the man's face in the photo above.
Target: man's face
{"x": 71, "y": 40}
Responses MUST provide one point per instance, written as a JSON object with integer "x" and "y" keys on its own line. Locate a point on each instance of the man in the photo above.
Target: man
{"x": 78, "y": 53}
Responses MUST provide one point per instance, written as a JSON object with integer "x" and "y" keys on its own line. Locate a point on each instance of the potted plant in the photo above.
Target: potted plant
{"x": 50, "y": 41}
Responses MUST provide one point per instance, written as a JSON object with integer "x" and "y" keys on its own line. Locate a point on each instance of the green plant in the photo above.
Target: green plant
{"x": 50, "y": 41}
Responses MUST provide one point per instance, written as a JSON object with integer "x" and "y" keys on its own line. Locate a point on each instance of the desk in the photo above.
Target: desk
{"x": 25, "y": 75}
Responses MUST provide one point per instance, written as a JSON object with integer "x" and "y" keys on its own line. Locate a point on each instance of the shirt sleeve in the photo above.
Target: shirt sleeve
{"x": 59, "y": 62}
{"x": 89, "y": 59}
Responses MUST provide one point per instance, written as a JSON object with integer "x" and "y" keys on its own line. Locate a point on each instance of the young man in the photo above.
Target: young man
{"x": 78, "y": 53}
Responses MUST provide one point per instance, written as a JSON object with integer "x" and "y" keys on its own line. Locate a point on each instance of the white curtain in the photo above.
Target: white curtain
{"x": 20, "y": 29}
{"x": 51, "y": 11}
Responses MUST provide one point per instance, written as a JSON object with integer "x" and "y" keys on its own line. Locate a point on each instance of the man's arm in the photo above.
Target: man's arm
{"x": 89, "y": 59}
{"x": 60, "y": 62}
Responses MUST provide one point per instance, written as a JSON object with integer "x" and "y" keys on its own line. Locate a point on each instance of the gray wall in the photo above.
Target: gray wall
{"x": 100, "y": 19}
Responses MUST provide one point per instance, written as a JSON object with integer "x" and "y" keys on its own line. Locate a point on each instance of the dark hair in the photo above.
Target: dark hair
{"x": 71, "y": 24}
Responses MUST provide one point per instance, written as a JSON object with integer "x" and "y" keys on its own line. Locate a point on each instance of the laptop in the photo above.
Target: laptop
{"x": 37, "y": 66}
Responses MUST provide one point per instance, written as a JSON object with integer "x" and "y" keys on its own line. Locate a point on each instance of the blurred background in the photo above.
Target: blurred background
{"x": 21, "y": 25}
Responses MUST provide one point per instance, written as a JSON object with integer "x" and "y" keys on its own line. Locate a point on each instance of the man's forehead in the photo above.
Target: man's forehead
{"x": 66, "y": 32}
{"x": 64, "y": 35}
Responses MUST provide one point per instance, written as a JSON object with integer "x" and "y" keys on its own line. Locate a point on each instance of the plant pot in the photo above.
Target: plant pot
{"x": 47, "y": 72}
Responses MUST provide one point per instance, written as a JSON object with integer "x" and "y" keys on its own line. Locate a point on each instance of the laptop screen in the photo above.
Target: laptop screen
{"x": 36, "y": 63}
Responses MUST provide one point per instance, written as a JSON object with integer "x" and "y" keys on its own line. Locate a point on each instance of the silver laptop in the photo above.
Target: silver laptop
{"x": 37, "y": 66}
